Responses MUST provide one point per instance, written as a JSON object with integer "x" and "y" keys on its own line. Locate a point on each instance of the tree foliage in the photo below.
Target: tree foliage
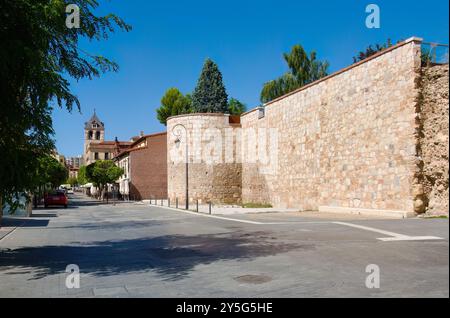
{"x": 235, "y": 107}
{"x": 82, "y": 179}
{"x": 426, "y": 54}
{"x": 173, "y": 103}
{"x": 103, "y": 172}
{"x": 39, "y": 54}
{"x": 51, "y": 172}
{"x": 371, "y": 50}
{"x": 210, "y": 95}
{"x": 72, "y": 181}
{"x": 304, "y": 69}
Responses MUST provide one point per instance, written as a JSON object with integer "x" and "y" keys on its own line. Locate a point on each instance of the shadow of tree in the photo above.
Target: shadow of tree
{"x": 23, "y": 222}
{"x": 107, "y": 226}
{"x": 172, "y": 256}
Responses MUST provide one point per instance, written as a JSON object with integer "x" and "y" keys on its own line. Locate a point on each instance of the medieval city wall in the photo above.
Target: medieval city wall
{"x": 214, "y": 172}
{"x": 345, "y": 141}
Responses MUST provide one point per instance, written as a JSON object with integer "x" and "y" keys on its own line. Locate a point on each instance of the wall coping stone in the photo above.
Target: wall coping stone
{"x": 345, "y": 69}
{"x": 199, "y": 114}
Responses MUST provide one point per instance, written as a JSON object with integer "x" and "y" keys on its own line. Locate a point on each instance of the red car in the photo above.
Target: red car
{"x": 57, "y": 198}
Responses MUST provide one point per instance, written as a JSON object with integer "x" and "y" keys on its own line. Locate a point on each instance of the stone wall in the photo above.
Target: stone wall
{"x": 353, "y": 140}
{"x": 345, "y": 141}
{"x": 435, "y": 138}
{"x": 213, "y": 173}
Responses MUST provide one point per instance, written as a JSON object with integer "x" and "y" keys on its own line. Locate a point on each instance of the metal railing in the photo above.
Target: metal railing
{"x": 434, "y": 53}
{"x": 194, "y": 205}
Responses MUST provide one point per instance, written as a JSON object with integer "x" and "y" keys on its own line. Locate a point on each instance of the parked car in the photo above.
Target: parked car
{"x": 56, "y": 198}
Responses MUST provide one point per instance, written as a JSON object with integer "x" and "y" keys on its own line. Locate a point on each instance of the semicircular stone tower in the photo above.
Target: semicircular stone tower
{"x": 214, "y": 165}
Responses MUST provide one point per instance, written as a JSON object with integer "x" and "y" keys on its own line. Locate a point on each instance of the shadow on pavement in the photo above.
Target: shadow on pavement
{"x": 44, "y": 215}
{"x": 23, "y": 222}
{"x": 171, "y": 256}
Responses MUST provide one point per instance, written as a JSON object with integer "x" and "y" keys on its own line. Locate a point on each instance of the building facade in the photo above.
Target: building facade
{"x": 95, "y": 146}
{"x": 145, "y": 168}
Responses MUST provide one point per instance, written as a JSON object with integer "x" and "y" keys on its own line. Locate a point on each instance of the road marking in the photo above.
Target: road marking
{"x": 238, "y": 220}
{"x": 208, "y": 215}
{"x": 410, "y": 238}
{"x": 394, "y": 236}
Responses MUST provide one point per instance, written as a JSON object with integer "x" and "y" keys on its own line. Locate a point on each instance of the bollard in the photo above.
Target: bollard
{"x": 209, "y": 207}
{"x": 168, "y": 202}
{"x": 197, "y": 206}
{"x": 161, "y": 202}
{"x": 176, "y": 204}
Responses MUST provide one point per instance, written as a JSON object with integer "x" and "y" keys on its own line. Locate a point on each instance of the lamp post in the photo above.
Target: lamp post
{"x": 176, "y": 131}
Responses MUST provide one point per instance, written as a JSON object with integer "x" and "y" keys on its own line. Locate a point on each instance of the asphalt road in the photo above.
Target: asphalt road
{"x": 132, "y": 250}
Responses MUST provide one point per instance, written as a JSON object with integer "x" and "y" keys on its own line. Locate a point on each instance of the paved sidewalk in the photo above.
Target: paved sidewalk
{"x": 230, "y": 210}
{"x": 215, "y": 209}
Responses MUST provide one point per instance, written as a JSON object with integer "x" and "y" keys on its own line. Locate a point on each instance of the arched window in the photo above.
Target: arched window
{"x": 97, "y": 135}
{"x": 90, "y": 134}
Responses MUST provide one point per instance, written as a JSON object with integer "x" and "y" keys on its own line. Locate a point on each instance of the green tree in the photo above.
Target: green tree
{"x": 173, "y": 103}
{"x": 304, "y": 69}
{"x": 235, "y": 107}
{"x": 39, "y": 55}
{"x": 103, "y": 172}
{"x": 371, "y": 50}
{"x": 210, "y": 95}
{"x": 72, "y": 181}
{"x": 50, "y": 174}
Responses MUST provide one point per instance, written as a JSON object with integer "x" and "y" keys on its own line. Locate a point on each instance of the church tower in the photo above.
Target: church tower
{"x": 94, "y": 133}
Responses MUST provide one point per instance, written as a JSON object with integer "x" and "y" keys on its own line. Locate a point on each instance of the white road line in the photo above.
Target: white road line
{"x": 410, "y": 238}
{"x": 237, "y": 220}
{"x": 394, "y": 236}
{"x": 209, "y": 216}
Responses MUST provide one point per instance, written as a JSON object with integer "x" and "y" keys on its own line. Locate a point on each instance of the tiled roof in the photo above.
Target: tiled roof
{"x": 93, "y": 119}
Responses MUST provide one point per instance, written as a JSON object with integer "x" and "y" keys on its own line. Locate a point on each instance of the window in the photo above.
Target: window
{"x": 96, "y": 156}
{"x": 90, "y": 134}
{"x": 95, "y": 125}
{"x": 97, "y": 135}
{"x": 106, "y": 156}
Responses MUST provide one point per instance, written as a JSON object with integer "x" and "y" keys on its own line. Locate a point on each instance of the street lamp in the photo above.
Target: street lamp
{"x": 176, "y": 131}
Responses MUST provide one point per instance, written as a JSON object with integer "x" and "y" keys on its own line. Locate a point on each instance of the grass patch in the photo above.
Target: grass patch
{"x": 436, "y": 217}
{"x": 256, "y": 206}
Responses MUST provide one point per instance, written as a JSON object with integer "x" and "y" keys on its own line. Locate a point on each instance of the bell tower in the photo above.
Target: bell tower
{"x": 94, "y": 133}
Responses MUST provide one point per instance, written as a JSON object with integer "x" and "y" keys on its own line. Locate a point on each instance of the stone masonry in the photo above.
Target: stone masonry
{"x": 211, "y": 176}
{"x": 352, "y": 140}
{"x": 435, "y": 138}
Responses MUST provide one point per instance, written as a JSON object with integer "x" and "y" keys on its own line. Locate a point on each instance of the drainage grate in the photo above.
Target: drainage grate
{"x": 253, "y": 279}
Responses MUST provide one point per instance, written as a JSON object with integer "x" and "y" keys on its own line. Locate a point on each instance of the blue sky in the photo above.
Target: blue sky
{"x": 246, "y": 38}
